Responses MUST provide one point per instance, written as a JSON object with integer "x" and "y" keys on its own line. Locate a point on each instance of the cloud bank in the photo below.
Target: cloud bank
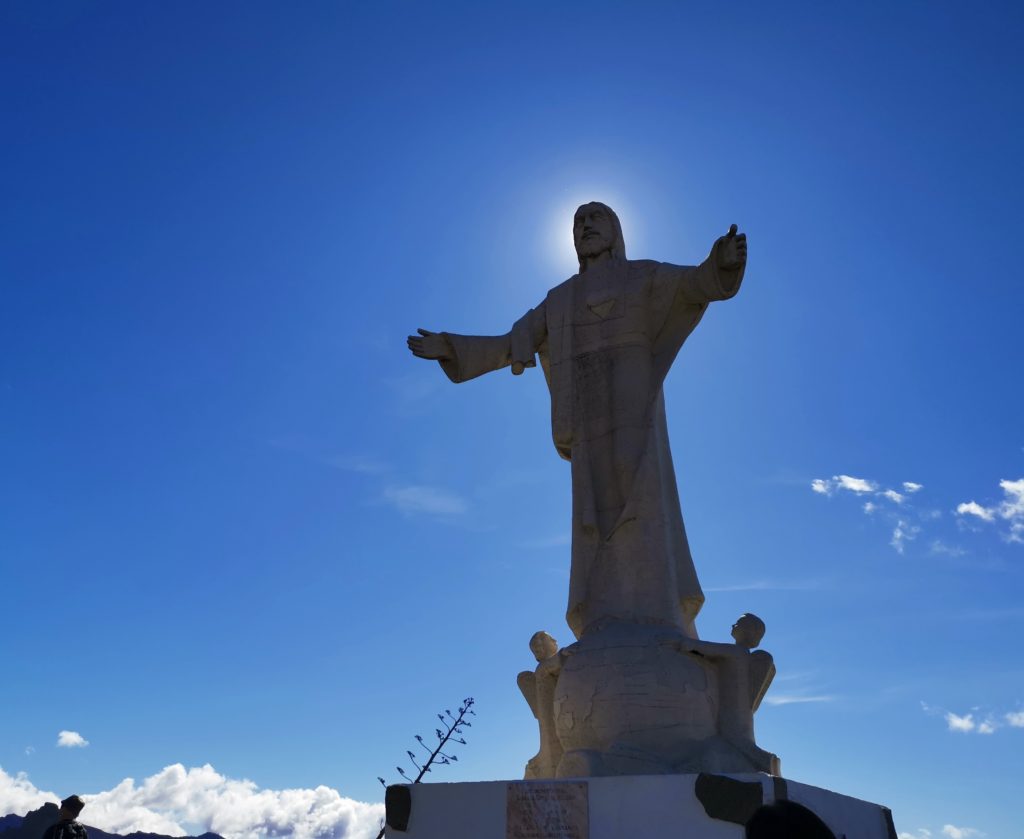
{"x": 903, "y": 530}
{"x": 178, "y": 801}
{"x": 18, "y": 794}
{"x": 897, "y": 507}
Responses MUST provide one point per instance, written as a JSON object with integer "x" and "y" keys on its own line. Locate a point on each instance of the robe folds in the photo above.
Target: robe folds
{"x": 606, "y": 339}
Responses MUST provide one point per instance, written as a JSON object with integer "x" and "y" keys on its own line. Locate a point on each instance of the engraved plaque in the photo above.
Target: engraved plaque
{"x": 547, "y": 810}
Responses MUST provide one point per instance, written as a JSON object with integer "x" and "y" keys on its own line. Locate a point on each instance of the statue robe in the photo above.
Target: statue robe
{"x": 606, "y": 339}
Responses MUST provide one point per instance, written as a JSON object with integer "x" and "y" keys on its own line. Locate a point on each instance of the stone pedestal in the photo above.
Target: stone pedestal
{"x": 640, "y": 699}
{"x": 702, "y": 806}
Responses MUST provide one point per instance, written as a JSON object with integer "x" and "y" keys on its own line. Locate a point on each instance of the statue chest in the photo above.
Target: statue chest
{"x": 606, "y": 317}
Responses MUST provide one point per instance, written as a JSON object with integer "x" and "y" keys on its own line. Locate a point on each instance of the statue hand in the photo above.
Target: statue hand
{"x": 430, "y": 345}
{"x": 732, "y": 250}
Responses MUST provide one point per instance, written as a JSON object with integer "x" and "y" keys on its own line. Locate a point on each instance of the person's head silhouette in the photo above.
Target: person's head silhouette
{"x": 786, "y": 820}
{"x": 70, "y": 807}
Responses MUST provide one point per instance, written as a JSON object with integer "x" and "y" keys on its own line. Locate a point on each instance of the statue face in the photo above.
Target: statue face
{"x": 592, "y": 230}
{"x": 543, "y": 646}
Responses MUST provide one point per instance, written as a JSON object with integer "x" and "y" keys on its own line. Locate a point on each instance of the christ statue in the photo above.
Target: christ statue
{"x": 606, "y": 338}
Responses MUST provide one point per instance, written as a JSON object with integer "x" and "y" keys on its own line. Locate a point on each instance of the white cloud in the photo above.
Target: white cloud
{"x": 1015, "y": 719}
{"x": 957, "y": 723}
{"x": 1009, "y": 511}
{"x": 902, "y": 533}
{"x": 425, "y": 499}
{"x": 973, "y": 722}
{"x": 954, "y": 832}
{"x": 858, "y": 485}
{"x": 30, "y": 750}
{"x": 940, "y": 547}
{"x": 826, "y": 486}
{"x": 950, "y": 831}
{"x": 973, "y": 508}
{"x": 809, "y": 584}
{"x": 177, "y": 801}
{"x": 795, "y": 699}
{"x": 71, "y": 740}
{"x": 1012, "y": 508}
{"x": 18, "y": 794}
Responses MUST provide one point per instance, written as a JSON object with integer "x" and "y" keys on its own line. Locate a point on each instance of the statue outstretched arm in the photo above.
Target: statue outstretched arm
{"x": 464, "y": 357}
{"x": 708, "y": 649}
{"x": 719, "y": 276}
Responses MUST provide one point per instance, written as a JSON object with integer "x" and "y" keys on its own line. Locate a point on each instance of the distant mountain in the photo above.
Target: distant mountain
{"x": 9, "y": 821}
{"x": 33, "y": 824}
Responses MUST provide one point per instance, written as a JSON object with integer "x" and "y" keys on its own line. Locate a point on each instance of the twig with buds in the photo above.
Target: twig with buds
{"x": 453, "y": 725}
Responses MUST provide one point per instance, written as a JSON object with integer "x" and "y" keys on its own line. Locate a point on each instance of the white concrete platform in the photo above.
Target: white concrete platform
{"x": 650, "y": 806}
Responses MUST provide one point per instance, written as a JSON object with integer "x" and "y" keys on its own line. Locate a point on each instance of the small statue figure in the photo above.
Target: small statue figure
{"x": 743, "y": 679}
{"x": 747, "y": 632}
{"x": 538, "y": 687}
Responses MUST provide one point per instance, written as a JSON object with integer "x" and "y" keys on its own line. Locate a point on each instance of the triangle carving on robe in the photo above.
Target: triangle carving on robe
{"x": 602, "y": 310}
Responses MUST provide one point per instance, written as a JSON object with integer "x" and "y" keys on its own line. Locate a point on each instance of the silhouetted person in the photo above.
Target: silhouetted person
{"x": 66, "y": 826}
{"x": 786, "y": 820}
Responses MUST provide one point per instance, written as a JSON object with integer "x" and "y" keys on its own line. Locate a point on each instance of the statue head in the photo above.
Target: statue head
{"x": 596, "y": 229}
{"x": 748, "y": 630}
{"x": 543, "y": 645}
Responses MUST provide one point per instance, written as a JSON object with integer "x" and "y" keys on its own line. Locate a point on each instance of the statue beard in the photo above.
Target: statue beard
{"x": 592, "y": 247}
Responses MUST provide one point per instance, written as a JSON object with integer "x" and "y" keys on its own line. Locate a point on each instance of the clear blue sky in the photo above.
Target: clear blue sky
{"x": 241, "y": 525}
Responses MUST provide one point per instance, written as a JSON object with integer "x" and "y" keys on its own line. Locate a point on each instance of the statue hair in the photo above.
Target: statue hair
{"x": 750, "y": 618}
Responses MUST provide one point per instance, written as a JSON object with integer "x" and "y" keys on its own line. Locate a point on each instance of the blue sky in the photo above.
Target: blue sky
{"x": 241, "y": 526}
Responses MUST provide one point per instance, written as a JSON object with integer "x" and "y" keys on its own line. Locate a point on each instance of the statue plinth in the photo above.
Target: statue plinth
{"x": 636, "y": 699}
{"x": 644, "y": 699}
{"x": 697, "y": 806}
{"x": 627, "y": 702}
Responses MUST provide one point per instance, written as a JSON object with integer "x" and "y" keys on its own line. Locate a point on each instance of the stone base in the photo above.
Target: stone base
{"x": 652, "y": 806}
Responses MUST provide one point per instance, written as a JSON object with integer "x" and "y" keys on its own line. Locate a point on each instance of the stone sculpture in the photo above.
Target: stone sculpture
{"x": 538, "y": 687}
{"x": 743, "y": 680}
{"x": 636, "y": 693}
